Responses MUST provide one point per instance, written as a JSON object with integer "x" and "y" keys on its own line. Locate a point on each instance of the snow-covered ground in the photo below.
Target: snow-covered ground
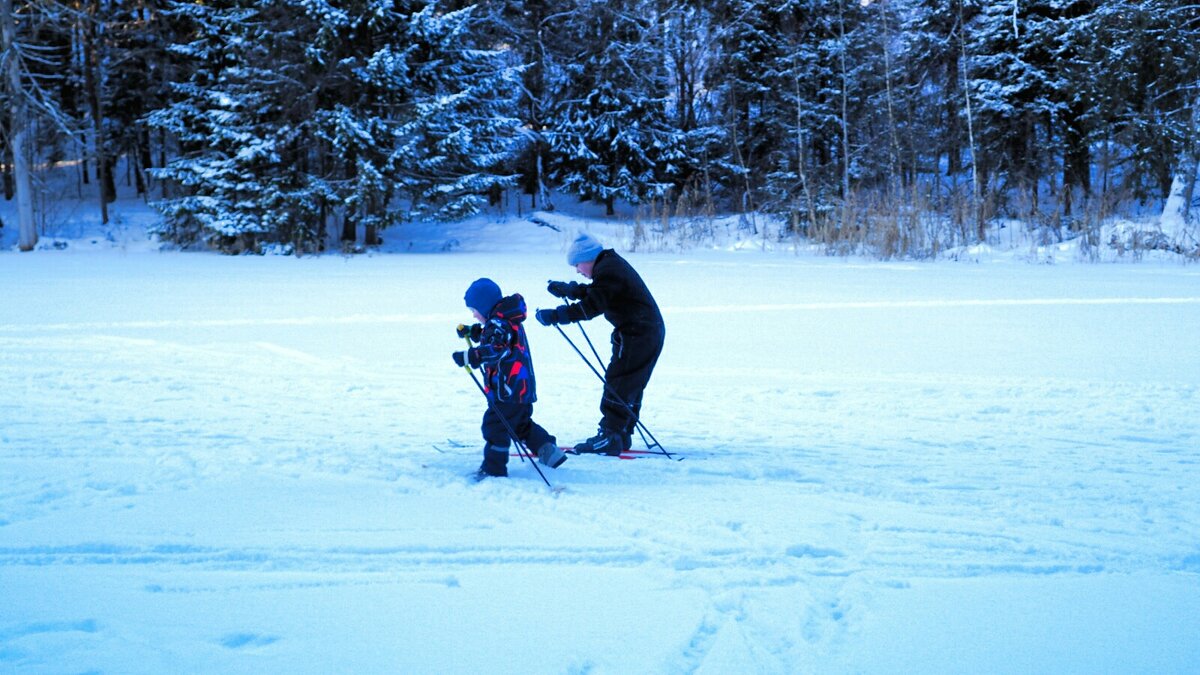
{"x": 257, "y": 464}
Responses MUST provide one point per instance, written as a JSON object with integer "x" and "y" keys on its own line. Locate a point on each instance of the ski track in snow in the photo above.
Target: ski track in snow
{"x": 184, "y": 464}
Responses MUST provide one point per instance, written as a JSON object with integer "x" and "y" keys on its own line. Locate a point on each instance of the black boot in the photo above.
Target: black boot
{"x": 605, "y": 442}
{"x": 495, "y": 462}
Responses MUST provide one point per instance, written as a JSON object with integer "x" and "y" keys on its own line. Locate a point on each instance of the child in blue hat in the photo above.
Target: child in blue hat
{"x": 502, "y": 352}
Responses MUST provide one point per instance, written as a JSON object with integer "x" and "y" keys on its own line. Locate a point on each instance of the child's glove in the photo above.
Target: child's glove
{"x": 473, "y": 331}
{"x": 566, "y": 289}
{"x": 550, "y": 317}
{"x": 464, "y": 358}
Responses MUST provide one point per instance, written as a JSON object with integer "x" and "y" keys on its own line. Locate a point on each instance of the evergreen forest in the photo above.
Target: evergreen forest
{"x": 906, "y": 126}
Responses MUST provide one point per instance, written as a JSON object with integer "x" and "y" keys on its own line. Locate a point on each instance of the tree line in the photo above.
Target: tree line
{"x": 902, "y": 125}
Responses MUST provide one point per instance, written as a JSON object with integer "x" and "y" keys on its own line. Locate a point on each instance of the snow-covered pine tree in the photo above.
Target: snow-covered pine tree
{"x": 530, "y": 30}
{"x": 1019, "y": 97}
{"x": 690, "y": 51}
{"x": 417, "y": 118}
{"x": 933, "y": 51}
{"x": 1075, "y": 52}
{"x": 742, "y": 41}
{"x": 94, "y": 63}
{"x": 795, "y": 81}
{"x": 1147, "y": 70}
{"x": 295, "y": 109}
{"x": 609, "y": 131}
{"x": 455, "y": 129}
{"x": 134, "y": 75}
{"x": 239, "y": 120}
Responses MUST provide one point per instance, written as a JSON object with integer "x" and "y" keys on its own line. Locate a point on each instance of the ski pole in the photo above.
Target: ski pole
{"x": 615, "y": 396}
{"x": 466, "y": 365}
{"x": 521, "y": 449}
{"x": 591, "y": 346}
{"x": 600, "y": 362}
{"x": 508, "y": 427}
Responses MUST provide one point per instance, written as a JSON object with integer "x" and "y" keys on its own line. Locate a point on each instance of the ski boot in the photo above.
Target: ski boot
{"x": 605, "y": 442}
{"x": 495, "y": 463}
{"x": 551, "y": 455}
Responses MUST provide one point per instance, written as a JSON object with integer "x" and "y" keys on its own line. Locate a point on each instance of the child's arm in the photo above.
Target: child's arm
{"x": 494, "y": 343}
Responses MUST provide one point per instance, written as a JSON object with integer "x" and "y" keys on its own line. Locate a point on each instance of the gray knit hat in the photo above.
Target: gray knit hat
{"x": 585, "y": 248}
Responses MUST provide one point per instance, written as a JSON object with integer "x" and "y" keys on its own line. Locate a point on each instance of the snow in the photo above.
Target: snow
{"x": 257, "y": 464}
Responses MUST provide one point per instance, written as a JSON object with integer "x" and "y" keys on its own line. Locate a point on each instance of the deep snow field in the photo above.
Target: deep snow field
{"x": 218, "y": 464}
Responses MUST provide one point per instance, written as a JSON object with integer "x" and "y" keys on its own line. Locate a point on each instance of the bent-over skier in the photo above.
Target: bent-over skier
{"x": 617, "y": 292}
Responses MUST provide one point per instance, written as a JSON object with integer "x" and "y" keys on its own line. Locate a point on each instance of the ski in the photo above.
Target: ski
{"x": 627, "y": 454}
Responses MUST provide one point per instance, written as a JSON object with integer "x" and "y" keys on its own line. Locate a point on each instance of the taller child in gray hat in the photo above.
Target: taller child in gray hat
{"x": 617, "y": 292}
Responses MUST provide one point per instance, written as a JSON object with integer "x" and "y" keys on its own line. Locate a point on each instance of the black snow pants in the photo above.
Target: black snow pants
{"x": 520, "y": 419}
{"x": 635, "y": 352}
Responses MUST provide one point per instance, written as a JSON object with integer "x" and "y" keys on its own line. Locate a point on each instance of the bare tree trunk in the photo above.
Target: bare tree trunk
{"x": 371, "y": 236}
{"x": 18, "y": 131}
{"x": 6, "y": 172}
{"x": 845, "y": 122}
{"x": 145, "y": 161}
{"x": 801, "y": 160}
{"x": 1189, "y": 189}
{"x": 543, "y": 193}
{"x": 953, "y": 133}
{"x": 895, "y": 159}
{"x": 91, "y": 68}
{"x": 966, "y": 86}
{"x": 349, "y": 234}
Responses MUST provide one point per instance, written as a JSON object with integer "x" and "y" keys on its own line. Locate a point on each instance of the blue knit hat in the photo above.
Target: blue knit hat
{"x": 585, "y": 248}
{"x": 483, "y": 295}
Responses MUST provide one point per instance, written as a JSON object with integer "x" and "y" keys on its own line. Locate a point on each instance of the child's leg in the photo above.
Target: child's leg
{"x": 496, "y": 442}
{"x": 531, "y": 433}
{"x": 493, "y": 429}
{"x": 538, "y": 440}
{"x": 536, "y": 436}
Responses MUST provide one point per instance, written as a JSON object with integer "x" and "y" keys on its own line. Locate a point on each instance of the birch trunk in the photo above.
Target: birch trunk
{"x": 19, "y": 130}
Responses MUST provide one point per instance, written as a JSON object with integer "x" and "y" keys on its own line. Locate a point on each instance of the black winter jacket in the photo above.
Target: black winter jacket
{"x": 617, "y": 292}
{"x": 504, "y": 353}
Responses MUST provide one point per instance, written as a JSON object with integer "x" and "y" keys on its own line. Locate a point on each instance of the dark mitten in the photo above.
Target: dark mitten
{"x": 472, "y": 331}
{"x": 550, "y": 317}
{"x": 567, "y": 289}
{"x": 459, "y": 359}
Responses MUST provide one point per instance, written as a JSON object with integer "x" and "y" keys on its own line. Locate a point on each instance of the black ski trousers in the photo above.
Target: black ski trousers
{"x": 520, "y": 419}
{"x": 635, "y": 352}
